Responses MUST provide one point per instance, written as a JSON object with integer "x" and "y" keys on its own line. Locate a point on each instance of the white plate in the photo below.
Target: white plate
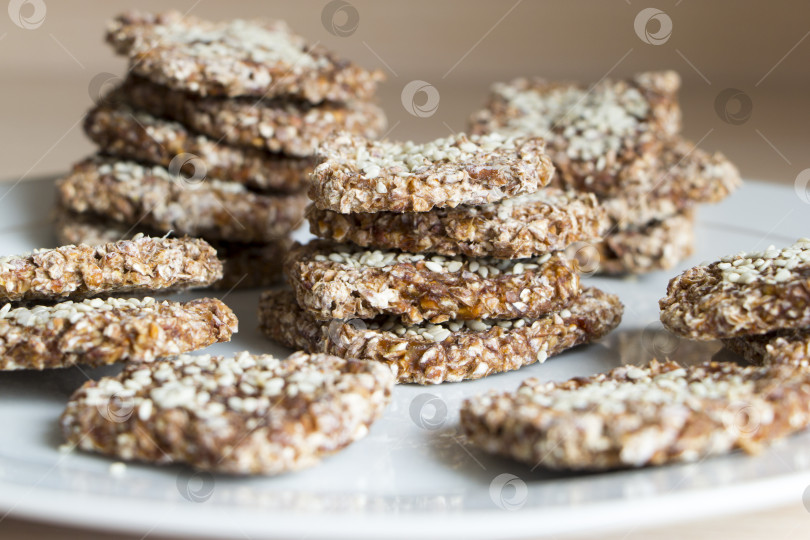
{"x": 404, "y": 480}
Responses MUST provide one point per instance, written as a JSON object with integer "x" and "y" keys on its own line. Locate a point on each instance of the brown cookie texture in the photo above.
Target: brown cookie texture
{"x": 355, "y": 174}
{"x": 591, "y": 133}
{"x": 261, "y": 58}
{"x": 277, "y": 125}
{"x": 128, "y": 192}
{"x": 743, "y": 294}
{"x": 97, "y": 331}
{"x": 242, "y": 414}
{"x": 445, "y": 352}
{"x": 244, "y": 266}
{"x": 129, "y": 134}
{"x": 341, "y": 281}
{"x": 140, "y": 264}
{"x": 518, "y": 227}
{"x": 639, "y": 416}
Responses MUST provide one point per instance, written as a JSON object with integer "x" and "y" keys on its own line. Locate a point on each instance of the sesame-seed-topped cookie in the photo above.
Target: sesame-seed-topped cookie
{"x": 242, "y": 414}
{"x": 129, "y": 134}
{"x": 591, "y": 133}
{"x": 129, "y": 192}
{"x": 355, "y": 174}
{"x": 659, "y": 186}
{"x": 780, "y": 347}
{"x": 99, "y": 331}
{"x": 637, "y": 416}
{"x": 77, "y": 271}
{"x": 748, "y": 293}
{"x": 243, "y": 265}
{"x": 341, "y": 281}
{"x": 449, "y": 351}
{"x": 523, "y": 226}
{"x": 261, "y": 58}
{"x": 277, "y": 125}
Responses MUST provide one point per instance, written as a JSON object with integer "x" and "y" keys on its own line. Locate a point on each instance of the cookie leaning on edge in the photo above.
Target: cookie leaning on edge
{"x": 261, "y": 58}
{"x": 637, "y": 416}
{"x": 523, "y": 226}
{"x": 294, "y": 128}
{"x": 748, "y": 293}
{"x": 451, "y": 351}
{"x": 140, "y": 264}
{"x": 246, "y": 414}
{"x": 129, "y": 192}
{"x": 338, "y": 281}
{"x": 243, "y": 265}
{"x": 127, "y": 133}
{"x": 355, "y": 174}
{"x": 98, "y": 332}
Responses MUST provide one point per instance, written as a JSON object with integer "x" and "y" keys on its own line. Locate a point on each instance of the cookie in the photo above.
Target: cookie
{"x": 680, "y": 173}
{"x": 780, "y": 347}
{"x": 243, "y": 414}
{"x": 261, "y": 58}
{"x": 126, "y": 133}
{"x": 244, "y": 266}
{"x": 340, "y": 281}
{"x": 748, "y": 293}
{"x": 355, "y": 174}
{"x": 523, "y": 226}
{"x": 658, "y": 245}
{"x": 680, "y": 177}
{"x": 637, "y": 416}
{"x": 153, "y": 197}
{"x": 285, "y": 126}
{"x": 591, "y": 133}
{"x": 450, "y": 351}
{"x": 97, "y": 332}
{"x": 140, "y": 264}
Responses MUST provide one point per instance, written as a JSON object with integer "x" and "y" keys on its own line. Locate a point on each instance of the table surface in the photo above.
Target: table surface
{"x": 41, "y": 134}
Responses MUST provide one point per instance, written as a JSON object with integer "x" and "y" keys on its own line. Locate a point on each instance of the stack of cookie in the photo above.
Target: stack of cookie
{"x": 212, "y": 134}
{"x": 241, "y": 414}
{"x": 619, "y": 140}
{"x": 53, "y": 315}
{"x": 443, "y": 260}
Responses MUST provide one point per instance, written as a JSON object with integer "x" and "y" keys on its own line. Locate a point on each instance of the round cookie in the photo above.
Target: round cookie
{"x": 97, "y": 332}
{"x": 260, "y": 58}
{"x": 341, "y": 281}
{"x": 523, "y": 226}
{"x": 243, "y": 265}
{"x": 242, "y": 414}
{"x": 748, "y": 293}
{"x": 153, "y": 197}
{"x": 637, "y": 416}
{"x": 449, "y": 351}
{"x": 355, "y": 174}
{"x": 130, "y": 134}
{"x": 140, "y": 264}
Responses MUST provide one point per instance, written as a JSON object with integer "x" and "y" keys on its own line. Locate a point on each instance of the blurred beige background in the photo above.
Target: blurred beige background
{"x": 760, "y": 49}
{"x": 460, "y": 47}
